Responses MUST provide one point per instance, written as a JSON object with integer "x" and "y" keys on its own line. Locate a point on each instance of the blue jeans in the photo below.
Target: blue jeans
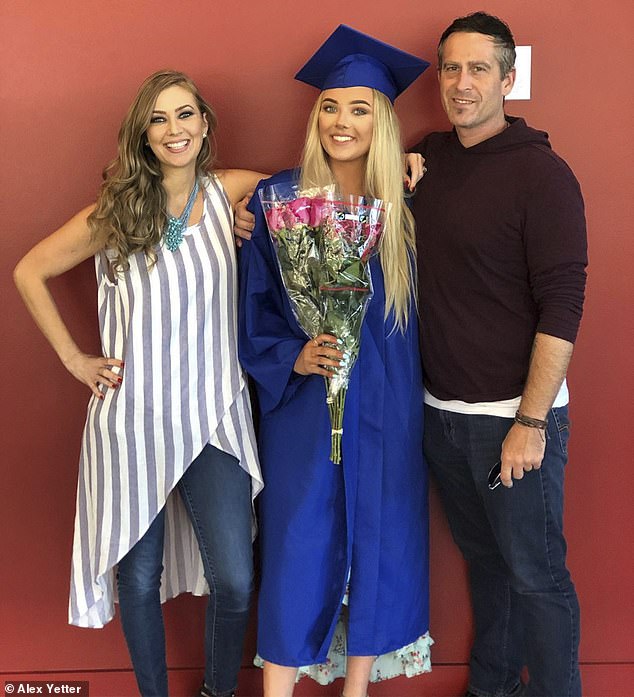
{"x": 524, "y": 602}
{"x": 216, "y": 492}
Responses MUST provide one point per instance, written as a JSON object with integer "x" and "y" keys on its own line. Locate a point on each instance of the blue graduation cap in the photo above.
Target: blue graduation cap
{"x": 349, "y": 58}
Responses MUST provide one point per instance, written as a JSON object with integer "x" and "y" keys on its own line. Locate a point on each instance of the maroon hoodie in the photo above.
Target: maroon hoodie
{"x": 501, "y": 255}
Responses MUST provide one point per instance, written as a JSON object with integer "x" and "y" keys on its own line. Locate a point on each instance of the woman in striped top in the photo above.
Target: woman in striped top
{"x": 177, "y": 417}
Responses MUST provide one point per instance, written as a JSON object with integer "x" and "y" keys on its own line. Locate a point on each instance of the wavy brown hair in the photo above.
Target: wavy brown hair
{"x": 130, "y": 213}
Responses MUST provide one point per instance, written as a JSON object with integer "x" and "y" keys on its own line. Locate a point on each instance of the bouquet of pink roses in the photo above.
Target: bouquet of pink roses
{"x": 294, "y": 221}
{"x": 323, "y": 245}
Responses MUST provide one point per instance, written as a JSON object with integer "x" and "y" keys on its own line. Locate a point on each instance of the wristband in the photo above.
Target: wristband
{"x": 529, "y": 421}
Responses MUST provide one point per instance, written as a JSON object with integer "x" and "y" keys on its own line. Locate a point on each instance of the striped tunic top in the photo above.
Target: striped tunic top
{"x": 174, "y": 326}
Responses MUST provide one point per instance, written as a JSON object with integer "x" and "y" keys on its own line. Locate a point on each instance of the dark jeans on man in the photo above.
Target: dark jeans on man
{"x": 216, "y": 492}
{"x": 524, "y": 602}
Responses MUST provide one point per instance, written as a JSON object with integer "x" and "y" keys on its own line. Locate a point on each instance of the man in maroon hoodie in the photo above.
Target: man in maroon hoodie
{"x": 502, "y": 256}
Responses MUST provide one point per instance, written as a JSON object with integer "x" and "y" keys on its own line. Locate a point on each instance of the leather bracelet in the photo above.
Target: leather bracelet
{"x": 529, "y": 421}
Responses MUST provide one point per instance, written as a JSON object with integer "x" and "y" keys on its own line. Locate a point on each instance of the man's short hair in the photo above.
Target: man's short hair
{"x": 489, "y": 25}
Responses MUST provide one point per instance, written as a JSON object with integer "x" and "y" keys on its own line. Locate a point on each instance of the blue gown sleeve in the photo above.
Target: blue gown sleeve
{"x": 269, "y": 338}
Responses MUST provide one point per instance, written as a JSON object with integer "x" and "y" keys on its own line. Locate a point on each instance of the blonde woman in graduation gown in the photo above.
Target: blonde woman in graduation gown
{"x": 344, "y": 547}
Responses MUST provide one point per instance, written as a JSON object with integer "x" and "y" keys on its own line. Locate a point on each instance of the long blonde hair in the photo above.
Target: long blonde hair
{"x": 383, "y": 180}
{"x": 131, "y": 208}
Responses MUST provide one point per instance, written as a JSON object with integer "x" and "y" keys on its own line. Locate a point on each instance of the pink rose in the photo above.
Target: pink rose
{"x": 275, "y": 219}
{"x": 317, "y": 211}
{"x": 300, "y": 208}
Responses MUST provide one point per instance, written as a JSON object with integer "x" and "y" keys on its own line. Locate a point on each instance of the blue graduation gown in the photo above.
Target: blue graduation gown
{"x": 319, "y": 521}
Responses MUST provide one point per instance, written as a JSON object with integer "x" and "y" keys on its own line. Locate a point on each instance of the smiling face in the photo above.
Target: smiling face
{"x": 176, "y": 129}
{"x": 345, "y": 123}
{"x": 471, "y": 86}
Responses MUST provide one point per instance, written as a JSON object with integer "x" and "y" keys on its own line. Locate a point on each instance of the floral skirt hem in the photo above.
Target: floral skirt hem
{"x": 411, "y": 660}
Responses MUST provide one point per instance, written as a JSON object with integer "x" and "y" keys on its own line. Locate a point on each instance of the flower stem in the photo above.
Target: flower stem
{"x": 335, "y": 408}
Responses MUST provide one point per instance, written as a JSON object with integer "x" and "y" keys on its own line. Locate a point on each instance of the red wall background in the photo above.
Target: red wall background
{"x": 69, "y": 69}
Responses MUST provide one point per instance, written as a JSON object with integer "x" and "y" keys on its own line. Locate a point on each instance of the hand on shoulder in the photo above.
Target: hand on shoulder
{"x": 243, "y": 220}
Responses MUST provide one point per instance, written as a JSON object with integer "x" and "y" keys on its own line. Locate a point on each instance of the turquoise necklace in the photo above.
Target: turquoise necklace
{"x": 175, "y": 226}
